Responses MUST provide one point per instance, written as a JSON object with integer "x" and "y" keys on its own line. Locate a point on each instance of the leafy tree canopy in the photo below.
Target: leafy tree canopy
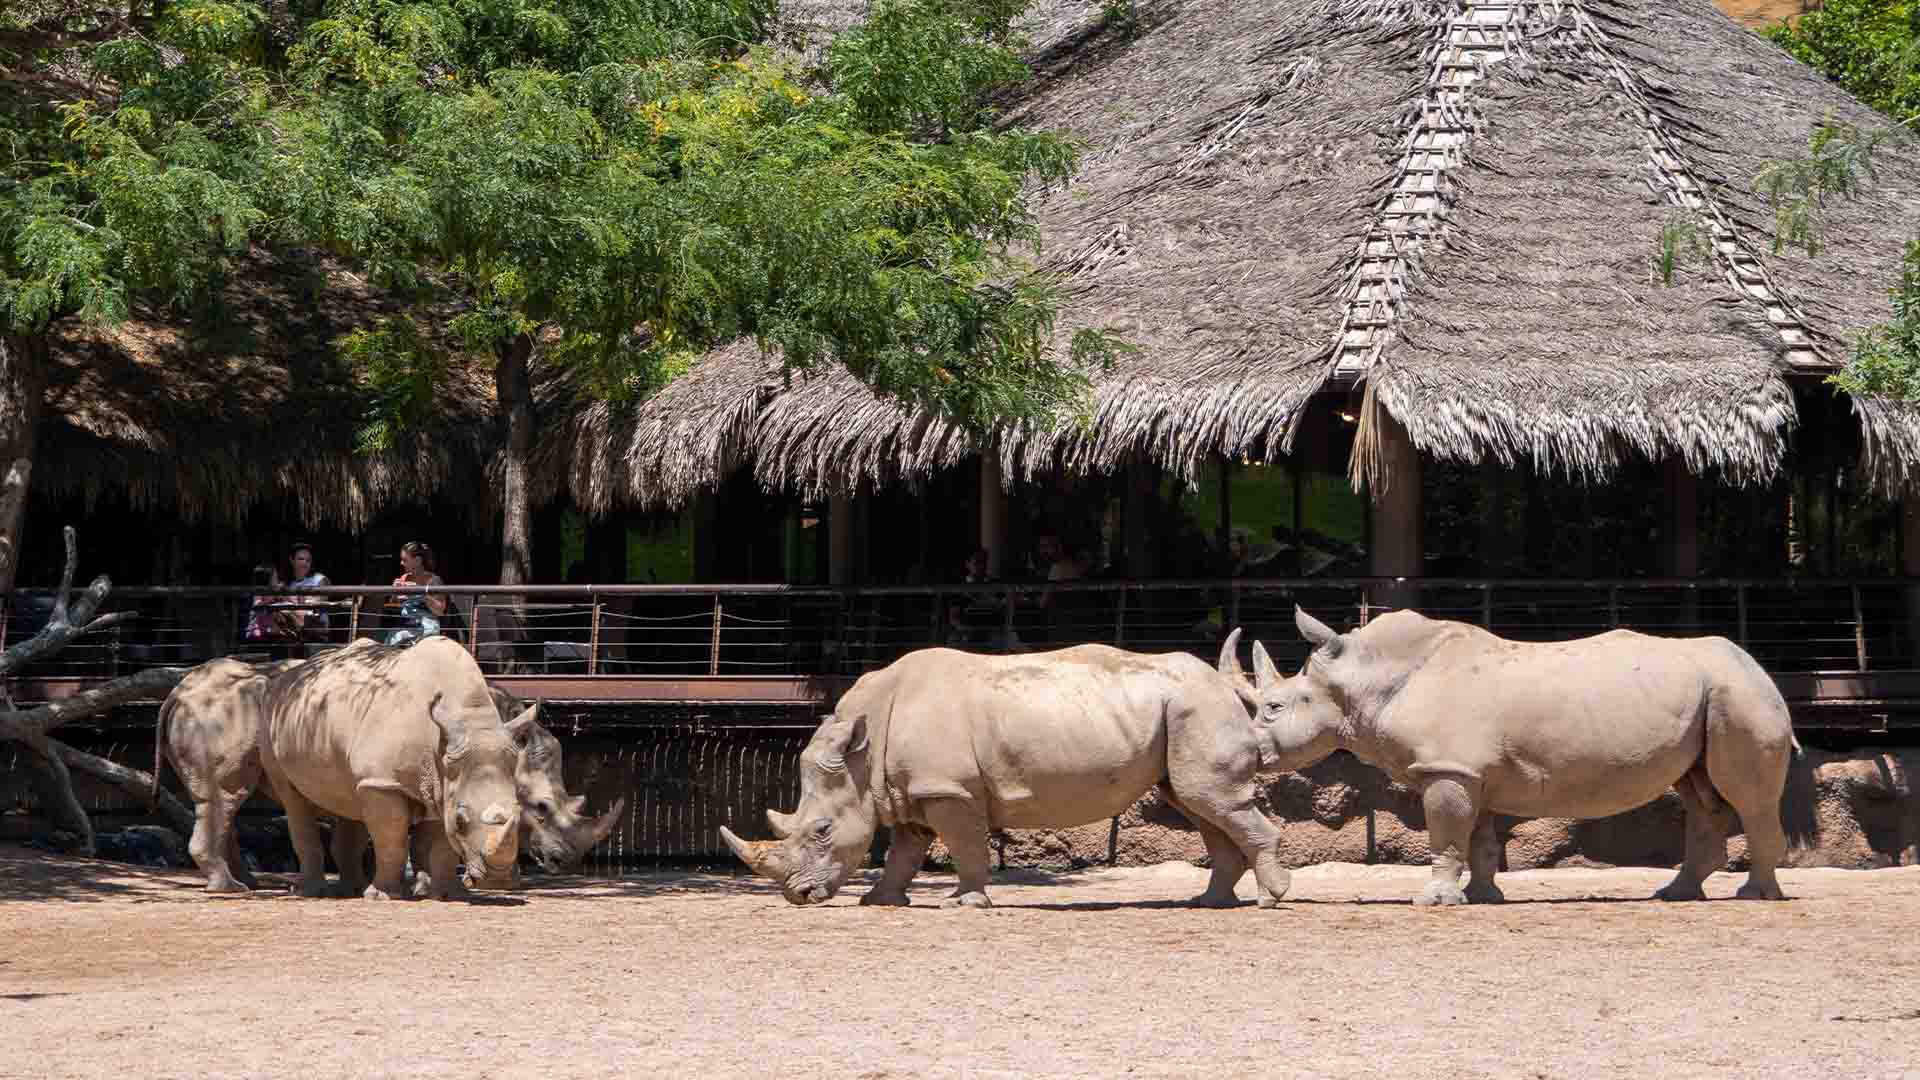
{"x": 638, "y": 180}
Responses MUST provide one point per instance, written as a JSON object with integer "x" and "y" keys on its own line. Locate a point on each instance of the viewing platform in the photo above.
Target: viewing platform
{"x": 1842, "y": 650}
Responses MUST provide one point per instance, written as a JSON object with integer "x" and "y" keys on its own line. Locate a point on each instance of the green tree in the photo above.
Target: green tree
{"x": 627, "y": 183}
{"x": 1870, "y": 47}
{"x": 128, "y": 140}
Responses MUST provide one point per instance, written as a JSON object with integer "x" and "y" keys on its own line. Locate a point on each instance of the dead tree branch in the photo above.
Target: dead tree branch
{"x": 130, "y": 780}
{"x": 73, "y": 616}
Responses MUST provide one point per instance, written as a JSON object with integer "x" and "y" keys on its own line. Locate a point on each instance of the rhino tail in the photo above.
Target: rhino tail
{"x": 159, "y": 751}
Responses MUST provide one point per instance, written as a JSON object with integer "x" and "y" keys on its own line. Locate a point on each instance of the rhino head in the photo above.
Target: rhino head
{"x": 826, "y": 839}
{"x": 1300, "y": 718}
{"x": 555, "y": 826}
{"x": 480, "y": 808}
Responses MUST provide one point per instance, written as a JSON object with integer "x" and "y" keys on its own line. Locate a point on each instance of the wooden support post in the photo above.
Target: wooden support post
{"x": 713, "y": 649}
{"x": 1120, "y": 616}
{"x": 1486, "y": 607}
{"x": 1140, "y": 492}
{"x": 353, "y": 620}
{"x": 993, "y": 513}
{"x": 1859, "y": 631}
{"x": 1910, "y": 569}
{"x": 593, "y": 639}
{"x": 840, "y": 529}
{"x": 1680, "y": 509}
{"x": 1396, "y": 540}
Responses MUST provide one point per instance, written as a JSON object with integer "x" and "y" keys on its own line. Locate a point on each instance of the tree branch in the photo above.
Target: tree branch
{"x": 68, "y": 622}
{"x": 66, "y": 803}
{"x": 138, "y": 784}
{"x": 31, "y": 725}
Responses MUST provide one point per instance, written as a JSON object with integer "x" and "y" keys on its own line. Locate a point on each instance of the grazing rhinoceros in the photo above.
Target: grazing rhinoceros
{"x": 948, "y": 743}
{"x": 554, "y": 827}
{"x": 1582, "y": 729}
{"x": 209, "y": 728}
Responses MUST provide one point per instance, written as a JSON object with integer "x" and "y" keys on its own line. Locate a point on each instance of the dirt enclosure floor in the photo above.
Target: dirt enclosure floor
{"x": 111, "y": 970}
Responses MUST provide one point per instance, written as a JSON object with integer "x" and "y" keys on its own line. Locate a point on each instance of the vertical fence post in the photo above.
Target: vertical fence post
{"x": 473, "y": 636}
{"x": 1233, "y": 605}
{"x": 1740, "y": 615}
{"x": 1859, "y": 631}
{"x": 1120, "y": 618}
{"x": 1486, "y": 607}
{"x": 593, "y": 636}
{"x": 1006, "y": 641}
{"x": 353, "y": 620}
{"x": 713, "y": 650}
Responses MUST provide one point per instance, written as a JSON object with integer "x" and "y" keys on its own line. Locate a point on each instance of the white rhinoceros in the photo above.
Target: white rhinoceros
{"x": 948, "y": 743}
{"x": 1480, "y": 725}
{"x": 210, "y": 727}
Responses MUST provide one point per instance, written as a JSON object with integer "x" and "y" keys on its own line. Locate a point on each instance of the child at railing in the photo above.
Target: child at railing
{"x": 272, "y": 623}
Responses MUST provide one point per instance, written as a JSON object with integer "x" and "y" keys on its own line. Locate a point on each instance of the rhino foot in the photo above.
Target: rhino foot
{"x": 967, "y": 899}
{"x": 1485, "y": 894}
{"x": 1760, "y": 891}
{"x": 1679, "y": 889}
{"x": 374, "y": 893}
{"x": 1269, "y": 902}
{"x": 877, "y": 898}
{"x": 1215, "y": 900}
{"x": 312, "y": 890}
{"x": 1437, "y": 895}
{"x": 225, "y": 884}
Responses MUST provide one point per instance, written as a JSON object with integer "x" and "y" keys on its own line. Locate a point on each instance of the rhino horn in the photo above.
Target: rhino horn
{"x": 605, "y": 822}
{"x": 1317, "y": 632}
{"x": 1264, "y": 673}
{"x": 755, "y": 853}
{"x": 1230, "y": 668}
{"x": 781, "y": 824}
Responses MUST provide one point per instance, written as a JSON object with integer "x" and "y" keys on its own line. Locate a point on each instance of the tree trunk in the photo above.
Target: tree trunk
{"x": 513, "y": 387}
{"x": 23, "y": 372}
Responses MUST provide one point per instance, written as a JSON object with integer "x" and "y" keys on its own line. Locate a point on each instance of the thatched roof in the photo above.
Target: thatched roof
{"x": 1279, "y": 200}
{"x": 251, "y": 402}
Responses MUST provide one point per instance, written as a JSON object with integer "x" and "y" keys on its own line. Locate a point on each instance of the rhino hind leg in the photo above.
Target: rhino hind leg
{"x": 213, "y": 845}
{"x": 303, "y": 828}
{"x": 1706, "y": 825}
{"x": 1228, "y": 862}
{"x": 964, "y": 828}
{"x": 905, "y": 853}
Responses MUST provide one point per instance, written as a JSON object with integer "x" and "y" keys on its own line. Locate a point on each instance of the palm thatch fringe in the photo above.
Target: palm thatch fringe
{"x": 1890, "y": 444}
{"x": 658, "y": 452}
{"x": 249, "y": 401}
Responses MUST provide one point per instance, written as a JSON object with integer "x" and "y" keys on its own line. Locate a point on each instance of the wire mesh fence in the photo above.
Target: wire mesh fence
{"x": 679, "y": 631}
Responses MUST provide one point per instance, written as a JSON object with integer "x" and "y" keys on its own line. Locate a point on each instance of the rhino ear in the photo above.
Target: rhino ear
{"x": 1317, "y": 632}
{"x": 845, "y": 737}
{"x": 1264, "y": 673}
{"x": 521, "y": 727}
{"x": 454, "y": 734}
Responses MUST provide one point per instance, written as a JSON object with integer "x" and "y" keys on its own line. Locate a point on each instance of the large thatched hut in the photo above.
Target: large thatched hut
{"x": 1428, "y": 234}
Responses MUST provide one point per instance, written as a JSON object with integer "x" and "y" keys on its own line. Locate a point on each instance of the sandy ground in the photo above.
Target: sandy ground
{"x": 109, "y": 970}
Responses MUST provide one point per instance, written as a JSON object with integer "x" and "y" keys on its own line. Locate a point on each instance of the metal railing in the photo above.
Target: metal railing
{"x": 1835, "y": 625}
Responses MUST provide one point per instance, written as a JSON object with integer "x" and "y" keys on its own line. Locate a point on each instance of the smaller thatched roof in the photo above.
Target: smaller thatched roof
{"x": 248, "y": 402}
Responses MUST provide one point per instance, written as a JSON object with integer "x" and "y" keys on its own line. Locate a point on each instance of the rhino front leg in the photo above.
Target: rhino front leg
{"x": 1452, "y": 811}
{"x": 349, "y": 850}
{"x": 1483, "y": 861}
{"x": 436, "y": 866}
{"x": 904, "y": 856}
{"x": 964, "y": 827}
{"x": 387, "y": 816}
